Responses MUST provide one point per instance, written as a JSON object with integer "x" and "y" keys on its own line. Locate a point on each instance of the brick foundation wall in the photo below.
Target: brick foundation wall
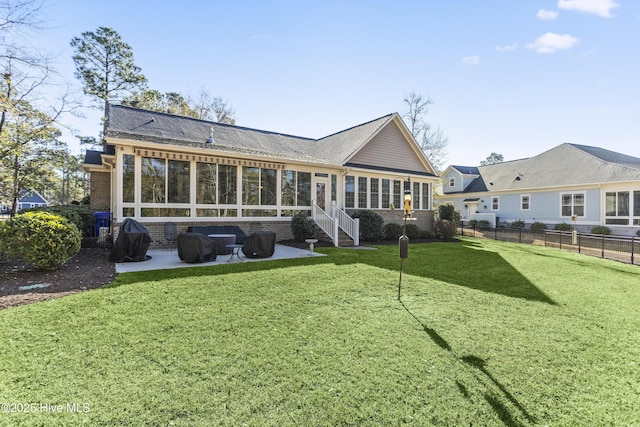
{"x": 100, "y": 191}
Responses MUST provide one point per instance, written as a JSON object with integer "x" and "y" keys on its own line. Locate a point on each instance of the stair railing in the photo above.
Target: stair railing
{"x": 351, "y": 226}
{"x": 326, "y": 222}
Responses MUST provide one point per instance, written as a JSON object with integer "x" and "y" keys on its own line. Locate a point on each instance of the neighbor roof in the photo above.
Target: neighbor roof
{"x": 564, "y": 165}
{"x": 132, "y": 123}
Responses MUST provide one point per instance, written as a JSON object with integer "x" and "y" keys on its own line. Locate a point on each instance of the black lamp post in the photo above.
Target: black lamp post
{"x": 404, "y": 240}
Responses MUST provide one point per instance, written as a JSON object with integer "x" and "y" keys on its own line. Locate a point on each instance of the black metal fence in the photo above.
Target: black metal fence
{"x": 618, "y": 248}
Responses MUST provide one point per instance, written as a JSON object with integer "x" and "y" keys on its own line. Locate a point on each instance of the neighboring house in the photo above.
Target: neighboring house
{"x": 598, "y": 186}
{"x": 31, "y": 199}
{"x": 163, "y": 168}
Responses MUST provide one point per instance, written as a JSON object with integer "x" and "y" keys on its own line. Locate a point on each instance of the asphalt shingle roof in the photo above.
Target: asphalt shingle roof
{"x": 133, "y": 123}
{"x": 564, "y": 165}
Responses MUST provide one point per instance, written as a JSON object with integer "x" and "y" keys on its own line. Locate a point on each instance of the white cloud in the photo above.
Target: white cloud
{"x": 471, "y": 60}
{"x": 595, "y": 7}
{"x": 507, "y": 48}
{"x": 547, "y": 15}
{"x": 551, "y": 42}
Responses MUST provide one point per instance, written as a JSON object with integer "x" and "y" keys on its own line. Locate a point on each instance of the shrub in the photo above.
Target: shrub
{"x": 601, "y": 229}
{"x": 445, "y": 229}
{"x": 517, "y": 224}
{"x": 303, "y": 227}
{"x": 412, "y": 231}
{"x": 41, "y": 238}
{"x": 370, "y": 225}
{"x": 483, "y": 223}
{"x": 562, "y": 227}
{"x": 538, "y": 226}
{"x": 80, "y": 215}
{"x": 638, "y": 233}
{"x": 448, "y": 212}
{"x": 392, "y": 231}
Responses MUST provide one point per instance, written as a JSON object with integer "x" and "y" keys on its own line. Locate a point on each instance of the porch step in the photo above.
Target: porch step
{"x": 343, "y": 239}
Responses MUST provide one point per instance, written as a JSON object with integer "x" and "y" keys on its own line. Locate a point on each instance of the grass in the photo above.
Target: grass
{"x": 486, "y": 333}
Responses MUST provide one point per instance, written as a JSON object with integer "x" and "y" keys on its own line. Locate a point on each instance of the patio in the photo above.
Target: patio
{"x": 168, "y": 258}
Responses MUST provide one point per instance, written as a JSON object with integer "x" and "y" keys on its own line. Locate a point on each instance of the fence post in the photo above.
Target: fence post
{"x": 632, "y": 247}
{"x": 560, "y": 234}
{"x": 579, "y": 243}
{"x": 495, "y": 232}
{"x": 461, "y": 227}
{"x": 603, "y": 245}
{"x": 519, "y": 235}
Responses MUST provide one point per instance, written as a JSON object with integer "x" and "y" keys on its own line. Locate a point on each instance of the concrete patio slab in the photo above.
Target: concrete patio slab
{"x": 168, "y": 258}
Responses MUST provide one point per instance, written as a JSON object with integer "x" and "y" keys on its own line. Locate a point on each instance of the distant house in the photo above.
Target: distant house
{"x": 162, "y": 168}
{"x": 598, "y": 186}
{"x": 31, "y": 199}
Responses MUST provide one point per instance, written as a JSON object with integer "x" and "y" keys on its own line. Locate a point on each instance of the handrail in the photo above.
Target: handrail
{"x": 325, "y": 222}
{"x": 351, "y": 226}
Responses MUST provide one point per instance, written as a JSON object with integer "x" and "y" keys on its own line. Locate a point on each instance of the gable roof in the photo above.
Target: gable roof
{"x": 564, "y": 165}
{"x": 336, "y": 149}
{"x": 31, "y": 196}
{"x": 466, "y": 170}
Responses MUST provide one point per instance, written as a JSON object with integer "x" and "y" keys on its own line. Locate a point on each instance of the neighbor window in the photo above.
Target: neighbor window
{"x": 495, "y": 203}
{"x": 415, "y": 202}
{"x": 617, "y": 205}
{"x": 452, "y": 182}
{"x": 572, "y": 204}
{"x": 525, "y": 202}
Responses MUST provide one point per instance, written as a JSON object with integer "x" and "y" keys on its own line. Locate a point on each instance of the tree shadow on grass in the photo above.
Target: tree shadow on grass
{"x": 480, "y": 365}
{"x": 462, "y": 263}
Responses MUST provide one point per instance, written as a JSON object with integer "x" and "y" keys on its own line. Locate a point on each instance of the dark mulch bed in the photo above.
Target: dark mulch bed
{"x": 89, "y": 269}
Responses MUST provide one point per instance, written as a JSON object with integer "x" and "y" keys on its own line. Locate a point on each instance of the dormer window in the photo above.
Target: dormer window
{"x": 452, "y": 182}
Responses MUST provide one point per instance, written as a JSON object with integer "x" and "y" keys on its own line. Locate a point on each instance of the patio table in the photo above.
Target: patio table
{"x": 222, "y": 240}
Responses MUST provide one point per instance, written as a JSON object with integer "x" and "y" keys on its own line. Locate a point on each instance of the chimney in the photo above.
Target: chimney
{"x": 210, "y": 140}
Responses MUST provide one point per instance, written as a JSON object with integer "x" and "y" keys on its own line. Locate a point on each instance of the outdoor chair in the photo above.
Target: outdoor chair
{"x": 260, "y": 244}
{"x": 196, "y": 247}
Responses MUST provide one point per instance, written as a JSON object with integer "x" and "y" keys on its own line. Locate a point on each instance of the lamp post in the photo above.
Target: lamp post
{"x": 404, "y": 240}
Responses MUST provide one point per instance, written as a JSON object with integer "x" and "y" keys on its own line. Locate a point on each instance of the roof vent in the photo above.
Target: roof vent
{"x": 210, "y": 140}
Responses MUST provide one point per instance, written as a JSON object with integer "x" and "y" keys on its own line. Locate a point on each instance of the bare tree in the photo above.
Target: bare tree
{"x": 432, "y": 140}
{"x": 214, "y": 109}
{"x": 204, "y": 107}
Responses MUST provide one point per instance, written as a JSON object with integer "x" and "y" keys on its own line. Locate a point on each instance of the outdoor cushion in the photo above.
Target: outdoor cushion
{"x": 260, "y": 244}
{"x": 195, "y": 247}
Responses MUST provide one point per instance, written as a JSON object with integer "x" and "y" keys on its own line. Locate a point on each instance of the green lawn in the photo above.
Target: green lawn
{"x": 486, "y": 333}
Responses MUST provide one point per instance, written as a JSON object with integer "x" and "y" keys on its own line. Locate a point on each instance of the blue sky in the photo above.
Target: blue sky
{"x": 508, "y": 76}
